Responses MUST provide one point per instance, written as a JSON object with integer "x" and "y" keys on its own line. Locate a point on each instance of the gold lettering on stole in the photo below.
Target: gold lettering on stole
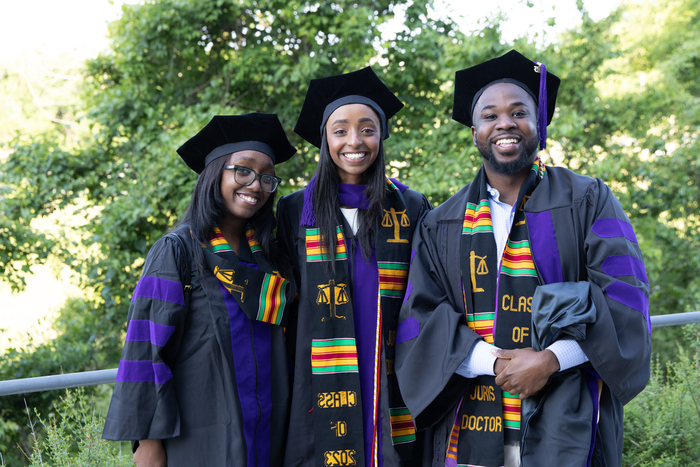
{"x": 481, "y": 423}
{"x": 339, "y": 428}
{"x": 339, "y": 458}
{"x": 483, "y": 393}
{"x": 336, "y": 399}
{"x": 520, "y": 333}
{"x": 508, "y": 304}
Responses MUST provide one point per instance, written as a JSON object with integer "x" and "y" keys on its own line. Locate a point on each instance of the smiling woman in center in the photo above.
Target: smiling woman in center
{"x": 348, "y": 234}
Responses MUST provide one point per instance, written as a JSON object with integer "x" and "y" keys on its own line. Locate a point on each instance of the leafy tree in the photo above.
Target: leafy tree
{"x": 631, "y": 116}
{"x": 627, "y": 112}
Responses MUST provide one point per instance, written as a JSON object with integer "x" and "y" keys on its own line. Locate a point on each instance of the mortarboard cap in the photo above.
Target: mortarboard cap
{"x": 226, "y": 134}
{"x": 514, "y": 68}
{"x": 327, "y": 94}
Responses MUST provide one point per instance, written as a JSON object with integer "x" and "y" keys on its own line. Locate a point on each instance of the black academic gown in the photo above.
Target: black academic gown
{"x": 300, "y": 441}
{"x": 580, "y": 236}
{"x": 213, "y": 384}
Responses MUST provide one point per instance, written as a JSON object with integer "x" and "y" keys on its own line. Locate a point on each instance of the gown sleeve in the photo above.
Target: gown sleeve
{"x": 611, "y": 279}
{"x": 618, "y": 344}
{"x": 144, "y": 405}
{"x": 432, "y": 337}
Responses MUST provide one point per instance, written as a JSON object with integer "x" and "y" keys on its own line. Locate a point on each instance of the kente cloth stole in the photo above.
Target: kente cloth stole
{"x": 337, "y": 411}
{"x": 262, "y": 296}
{"x": 253, "y": 300}
{"x": 498, "y": 309}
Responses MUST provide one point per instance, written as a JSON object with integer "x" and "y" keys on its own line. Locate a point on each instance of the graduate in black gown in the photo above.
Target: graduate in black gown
{"x": 527, "y": 285}
{"x": 203, "y": 379}
{"x": 348, "y": 233}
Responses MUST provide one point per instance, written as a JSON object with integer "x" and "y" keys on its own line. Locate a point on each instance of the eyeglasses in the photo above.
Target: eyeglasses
{"x": 246, "y": 176}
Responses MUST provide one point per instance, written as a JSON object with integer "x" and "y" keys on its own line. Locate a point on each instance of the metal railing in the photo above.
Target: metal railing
{"x": 91, "y": 378}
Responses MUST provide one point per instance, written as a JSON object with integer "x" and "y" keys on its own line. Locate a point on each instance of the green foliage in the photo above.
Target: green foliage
{"x": 429, "y": 151}
{"x": 73, "y": 436}
{"x": 663, "y": 422}
{"x": 628, "y": 112}
{"x": 79, "y": 346}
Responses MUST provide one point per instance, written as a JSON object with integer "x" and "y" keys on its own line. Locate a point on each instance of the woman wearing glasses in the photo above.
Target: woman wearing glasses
{"x": 348, "y": 233}
{"x": 203, "y": 379}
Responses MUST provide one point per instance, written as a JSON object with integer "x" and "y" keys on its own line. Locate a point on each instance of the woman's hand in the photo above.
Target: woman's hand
{"x": 150, "y": 453}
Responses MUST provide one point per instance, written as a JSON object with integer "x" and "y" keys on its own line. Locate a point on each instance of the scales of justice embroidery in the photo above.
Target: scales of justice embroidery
{"x": 391, "y": 219}
{"x": 226, "y": 277}
{"x": 481, "y": 270}
{"x": 332, "y": 294}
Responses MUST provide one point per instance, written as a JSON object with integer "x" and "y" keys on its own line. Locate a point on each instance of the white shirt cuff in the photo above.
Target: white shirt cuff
{"x": 568, "y": 352}
{"x": 480, "y": 362}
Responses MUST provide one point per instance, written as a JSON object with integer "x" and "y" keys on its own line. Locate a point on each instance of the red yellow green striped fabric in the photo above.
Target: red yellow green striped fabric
{"x": 271, "y": 299}
{"x": 314, "y": 247}
{"x": 392, "y": 279}
{"x": 252, "y": 242}
{"x": 517, "y": 259}
{"x": 218, "y": 242}
{"x": 403, "y": 429}
{"x": 482, "y": 324}
{"x": 511, "y": 411}
{"x": 451, "y": 454}
{"x": 329, "y": 356}
{"x": 477, "y": 218}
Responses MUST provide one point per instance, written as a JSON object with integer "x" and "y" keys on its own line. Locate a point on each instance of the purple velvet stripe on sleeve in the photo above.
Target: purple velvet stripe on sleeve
{"x": 543, "y": 245}
{"x": 630, "y": 296}
{"x": 399, "y": 185}
{"x": 407, "y": 329}
{"x": 143, "y": 371}
{"x": 413, "y": 255}
{"x": 624, "y": 265}
{"x": 143, "y": 330}
{"x": 612, "y": 227}
{"x": 160, "y": 289}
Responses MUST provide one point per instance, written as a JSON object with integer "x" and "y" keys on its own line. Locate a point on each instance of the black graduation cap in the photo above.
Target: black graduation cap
{"x": 226, "y": 134}
{"x": 512, "y": 67}
{"x": 327, "y": 94}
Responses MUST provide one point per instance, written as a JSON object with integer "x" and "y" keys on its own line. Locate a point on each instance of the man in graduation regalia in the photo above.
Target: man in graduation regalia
{"x": 525, "y": 327}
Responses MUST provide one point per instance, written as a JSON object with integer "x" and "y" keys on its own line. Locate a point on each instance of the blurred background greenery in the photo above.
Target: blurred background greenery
{"x": 89, "y": 176}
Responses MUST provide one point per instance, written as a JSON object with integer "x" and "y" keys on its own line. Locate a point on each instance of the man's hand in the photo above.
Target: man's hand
{"x": 500, "y": 364}
{"x": 527, "y": 371}
{"x": 150, "y": 453}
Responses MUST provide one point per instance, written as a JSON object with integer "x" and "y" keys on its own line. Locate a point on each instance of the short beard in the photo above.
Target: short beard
{"x": 512, "y": 167}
